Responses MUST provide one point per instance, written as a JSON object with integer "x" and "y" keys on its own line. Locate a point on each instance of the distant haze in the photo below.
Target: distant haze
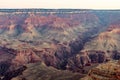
{"x": 79, "y": 4}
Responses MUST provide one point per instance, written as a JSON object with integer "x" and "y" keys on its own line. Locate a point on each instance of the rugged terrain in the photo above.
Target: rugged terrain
{"x": 72, "y": 40}
{"x": 100, "y": 48}
{"x": 105, "y": 71}
{"x": 39, "y": 71}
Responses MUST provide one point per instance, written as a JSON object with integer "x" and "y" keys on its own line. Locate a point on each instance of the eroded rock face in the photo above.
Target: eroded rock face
{"x": 83, "y": 59}
{"x": 25, "y": 56}
{"x": 105, "y": 71}
{"x": 34, "y": 26}
{"x": 64, "y": 40}
{"x": 99, "y": 49}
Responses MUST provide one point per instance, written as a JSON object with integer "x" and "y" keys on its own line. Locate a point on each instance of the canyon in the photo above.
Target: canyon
{"x": 45, "y": 42}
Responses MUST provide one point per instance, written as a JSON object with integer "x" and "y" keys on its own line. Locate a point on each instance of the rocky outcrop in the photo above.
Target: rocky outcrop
{"x": 25, "y": 56}
{"x": 105, "y": 71}
{"x": 84, "y": 59}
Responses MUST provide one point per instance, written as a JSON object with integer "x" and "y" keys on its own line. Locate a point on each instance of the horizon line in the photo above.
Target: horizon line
{"x": 63, "y": 8}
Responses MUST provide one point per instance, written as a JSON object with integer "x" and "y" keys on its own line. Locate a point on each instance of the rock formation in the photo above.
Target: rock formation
{"x": 105, "y": 71}
{"x": 75, "y": 40}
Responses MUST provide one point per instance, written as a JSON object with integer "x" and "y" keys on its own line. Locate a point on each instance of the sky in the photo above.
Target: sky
{"x": 56, "y": 4}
